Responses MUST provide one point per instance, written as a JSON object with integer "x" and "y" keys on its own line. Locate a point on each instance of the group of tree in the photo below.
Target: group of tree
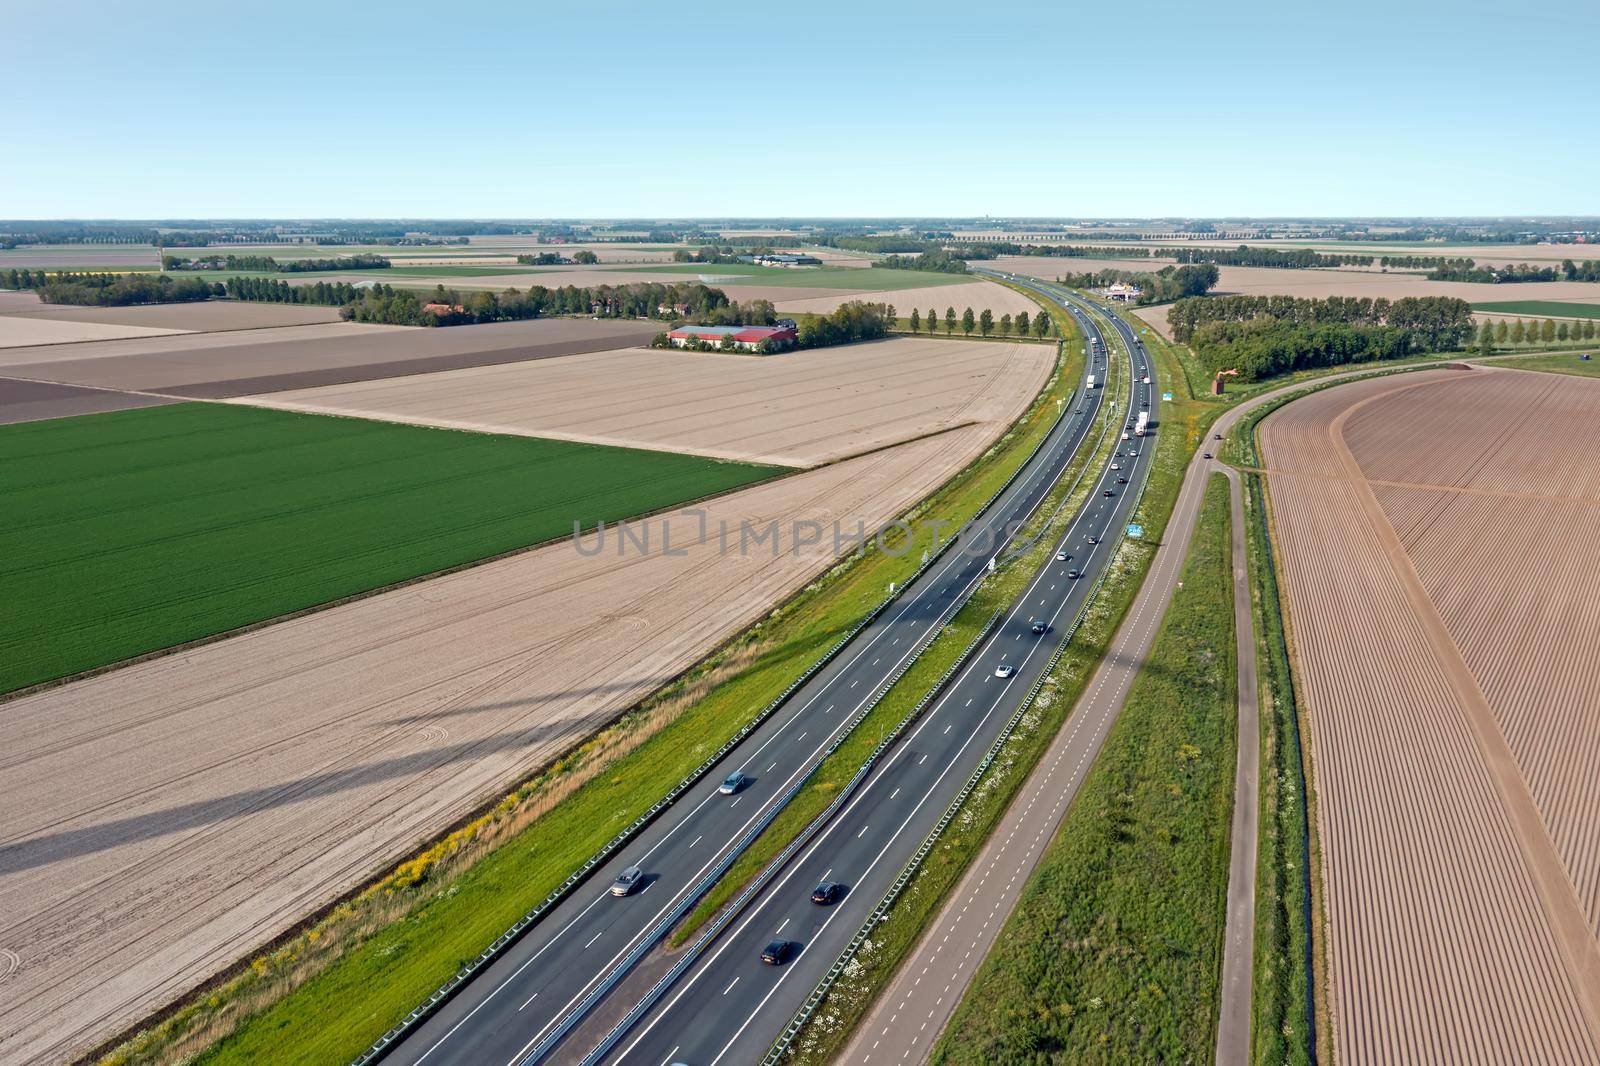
{"x": 984, "y": 323}
{"x": 940, "y": 262}
{"x": 582, "y": 255}
{"x": 122, "y": 290}
{"x": 850, "y": 322}
{"x": 452, "y": 307}
{"x": 1263, "y": 336}
{"x": 726, "y": 253}
{"x": 1168, "y": 283}
{"x": 1245, "y": 255}
{"x": 267, "y": 264}
{"x": 275, "y": 291}
{"x": 1511, "y": 273}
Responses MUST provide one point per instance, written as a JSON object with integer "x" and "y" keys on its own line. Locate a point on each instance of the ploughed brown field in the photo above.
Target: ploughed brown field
{"x": 793, "y": 409}
{"x": 220, "y": 365}
{"x": 1434, "y": 531}
{"x": 160, "y": 821}
{"x": 974, "y": 294}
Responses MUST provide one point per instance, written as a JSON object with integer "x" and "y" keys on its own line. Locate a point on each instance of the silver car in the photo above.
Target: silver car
{"x": 627, "y": 881}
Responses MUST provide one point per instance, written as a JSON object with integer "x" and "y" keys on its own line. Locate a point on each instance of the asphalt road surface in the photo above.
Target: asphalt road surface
{"x": 536, "y": 986}
{"x": 729, "y": 1006}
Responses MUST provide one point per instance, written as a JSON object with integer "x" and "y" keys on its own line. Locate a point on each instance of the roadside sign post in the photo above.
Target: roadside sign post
{"x": 1136, "y": 531}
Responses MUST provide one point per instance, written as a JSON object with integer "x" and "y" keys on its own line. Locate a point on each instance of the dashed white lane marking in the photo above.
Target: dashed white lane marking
{"x": 735, "y": 981}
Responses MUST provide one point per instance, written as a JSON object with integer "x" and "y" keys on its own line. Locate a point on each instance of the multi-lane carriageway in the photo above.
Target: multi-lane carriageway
{"x": 729, "y": 1005}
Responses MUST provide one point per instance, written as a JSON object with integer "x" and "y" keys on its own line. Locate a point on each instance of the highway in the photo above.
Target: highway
{"x": 729, "y": 1006}
{"x": 541, "y": 984}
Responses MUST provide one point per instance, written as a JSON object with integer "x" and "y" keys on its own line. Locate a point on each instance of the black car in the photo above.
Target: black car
{"x": 1205, "y": 455}
{"x": 1106, "y": 493}
{"x": 1122, "y": 481}
{"x": 777, "y": 952}
{"x": 1039, "y": 625}
{"x": 1074, "y": 574}
{"x": 825, "y": 893}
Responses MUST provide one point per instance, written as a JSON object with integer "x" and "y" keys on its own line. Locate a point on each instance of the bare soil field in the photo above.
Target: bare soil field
{"x": 354, "y": 353}
{"x": 168, "y": 342}
{"x": 1050, "y": 267}
{"x": 974, "y": 294}
{"x": 797, "y": 409}
{"x": 160, "y": 821}
{"x": 79, "y": 256}
{"x": 209, "y": 316}
{"x": 30, "y": 401}
{"x": 1443, "y": 615}
{"x": 22, "y": 331}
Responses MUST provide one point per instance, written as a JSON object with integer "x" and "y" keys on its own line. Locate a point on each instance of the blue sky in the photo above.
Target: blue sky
{"x": 607, "y": 109}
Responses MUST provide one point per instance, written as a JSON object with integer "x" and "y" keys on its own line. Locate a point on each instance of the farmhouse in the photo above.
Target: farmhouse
{"x": 747, "y": 338}
{"x": 1122, "y": 292}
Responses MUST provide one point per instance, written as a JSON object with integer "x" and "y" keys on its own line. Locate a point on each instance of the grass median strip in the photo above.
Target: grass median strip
{"x": 1113, "y": 953}
{"x": 327, "y": 992}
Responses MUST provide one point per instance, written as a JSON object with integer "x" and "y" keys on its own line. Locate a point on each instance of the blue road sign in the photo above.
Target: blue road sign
{"x": 1135, "y": 531}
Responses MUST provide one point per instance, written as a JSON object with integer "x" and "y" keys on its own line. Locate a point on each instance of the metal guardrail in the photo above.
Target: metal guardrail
{"x": 736, "y": 906}
{"x": 808, "y": 1008}
{"x": 445, "y": 992}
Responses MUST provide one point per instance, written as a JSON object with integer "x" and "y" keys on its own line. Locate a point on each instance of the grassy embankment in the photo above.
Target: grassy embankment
{"x": 1113, "y": 953}
{"x": 1281, "y": 1003}
{"x": 995, "y": 593}
{"x": 852, "y": 996}
{"x": 134, "y": 531}
{"x": 1556, "y": 364}
{"x": 328, "y": 991}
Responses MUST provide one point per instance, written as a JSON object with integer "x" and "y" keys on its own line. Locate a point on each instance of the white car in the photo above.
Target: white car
{"x": 1061, "y": 557}
{"x": 1116, "y": 466}
{"x": 1004, "y": 670}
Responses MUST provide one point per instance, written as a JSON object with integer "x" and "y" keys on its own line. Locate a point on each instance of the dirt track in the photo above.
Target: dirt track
{"x": 1443, "y": 621}
{"x": 160, "y": 821}
{"x": 794, "y": 409}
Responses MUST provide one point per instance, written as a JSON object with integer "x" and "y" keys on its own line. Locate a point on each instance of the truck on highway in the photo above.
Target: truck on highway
{"x": 1091, "y": 381}
{"x": 1143, "y": 424}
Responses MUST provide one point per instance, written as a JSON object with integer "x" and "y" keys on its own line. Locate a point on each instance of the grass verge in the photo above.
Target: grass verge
{"x": 1113, "y": 953}
{"x": 1556, "y": 364}
{"x": 326, "y": 991}
{"x": 133, "y": 531}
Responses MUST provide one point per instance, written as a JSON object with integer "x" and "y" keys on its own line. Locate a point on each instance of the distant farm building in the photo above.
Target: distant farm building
{"x": 1122, "y": 292}
{"x": 781, "y": 260}
{"x": 746, "y": 338}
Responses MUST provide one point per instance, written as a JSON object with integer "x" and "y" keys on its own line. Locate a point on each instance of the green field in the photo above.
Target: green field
{"x": 129, "y": 532}
{"x": 862, "y": 279}
{"x": 1113, "y": 953}
{"x": 1566, "y": 363}
{"x": 1540, "y": 308}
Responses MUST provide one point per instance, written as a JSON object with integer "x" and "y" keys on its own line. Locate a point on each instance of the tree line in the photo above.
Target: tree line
{"x": 1263, "y": 336}
{"x": 984, "y": 323}
{"x": 267, "y": 264}
{"x": 122, "y": 290}
{"x": 1245, "y": 255}
{"x": 1511, "y": 273}
{"x": 582, "y": 255}
{"x": 940, "y": 262}
{"x": 846, "y": 324}
{"x": 1161, "y": 286}
{"x": 1501, "y": 333}
{"x": 405, "y": 307}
